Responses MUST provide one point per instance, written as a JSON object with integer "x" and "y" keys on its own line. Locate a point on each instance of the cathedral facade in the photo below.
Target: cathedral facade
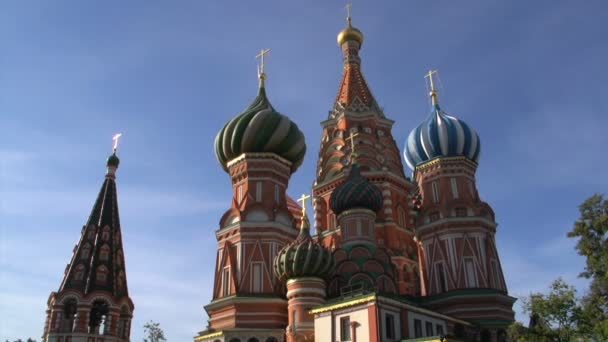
{"x": 393, "y": 258}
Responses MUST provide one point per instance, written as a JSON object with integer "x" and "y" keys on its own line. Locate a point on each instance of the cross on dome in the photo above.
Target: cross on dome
{"x": 261, "y": 73}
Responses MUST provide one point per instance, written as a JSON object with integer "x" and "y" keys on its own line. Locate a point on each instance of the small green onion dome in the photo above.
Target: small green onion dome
{"x": 260, "y": 128}
{"x": 113, "y": 160}
{"x": 355, "y": 192}
{"x": 303, "y": 258}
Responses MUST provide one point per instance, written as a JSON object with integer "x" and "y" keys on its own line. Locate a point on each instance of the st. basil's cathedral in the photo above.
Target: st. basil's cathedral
{"x": 393, "y": 258}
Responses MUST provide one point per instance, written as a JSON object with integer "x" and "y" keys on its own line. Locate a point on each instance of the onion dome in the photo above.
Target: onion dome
{"x": 440, "y": 135}
{"x": 350, "y": 33}
{"x": 260, "y": 129}
{"x": 303, "y": 257}
{"x": 355, "y": 192}
{"x": 113, "y": 160}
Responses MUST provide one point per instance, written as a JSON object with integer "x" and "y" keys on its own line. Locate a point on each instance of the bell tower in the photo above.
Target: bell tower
{"x": 93, "y": 303}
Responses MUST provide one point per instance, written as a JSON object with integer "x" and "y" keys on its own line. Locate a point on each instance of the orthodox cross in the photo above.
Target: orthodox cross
{"x": 261, "y": 73}
{"x": 432, "y": 84}
{"x": 115, "y": 139}
{"x": 352, "y": 141}
{"x": 348, "y": 9}
{"x": 303, "y": 200}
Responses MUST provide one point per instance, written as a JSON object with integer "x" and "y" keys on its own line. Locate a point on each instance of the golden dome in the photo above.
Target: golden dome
{"x": 350, "y": 33}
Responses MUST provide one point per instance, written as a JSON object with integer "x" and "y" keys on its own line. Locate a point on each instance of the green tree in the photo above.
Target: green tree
{"x": 591, "y": 230}
{"x": 153, "y": 332}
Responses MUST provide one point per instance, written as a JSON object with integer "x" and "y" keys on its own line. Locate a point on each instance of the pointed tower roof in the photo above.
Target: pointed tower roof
{"x": 354, "y": 93}
{"x": 98, "y": 261}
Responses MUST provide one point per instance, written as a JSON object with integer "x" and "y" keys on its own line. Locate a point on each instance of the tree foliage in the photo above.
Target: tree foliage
{"x": 153, "y": 332}
{"x": 560, "y": 315}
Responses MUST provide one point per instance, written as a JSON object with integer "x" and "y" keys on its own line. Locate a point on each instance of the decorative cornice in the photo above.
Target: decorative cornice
{"x": 369, "y": 298}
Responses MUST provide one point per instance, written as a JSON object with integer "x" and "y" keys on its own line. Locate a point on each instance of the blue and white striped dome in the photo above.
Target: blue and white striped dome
{"x": 440, "y": 135}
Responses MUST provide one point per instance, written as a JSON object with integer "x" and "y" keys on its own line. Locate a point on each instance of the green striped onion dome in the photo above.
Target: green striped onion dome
{"x": 303, "y": 258}
{"x": 355, "y": 192}
{"x": 260, "y": 129}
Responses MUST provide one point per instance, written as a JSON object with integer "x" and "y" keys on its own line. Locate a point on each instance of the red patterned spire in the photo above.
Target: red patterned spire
{"x": 354, "y": 93}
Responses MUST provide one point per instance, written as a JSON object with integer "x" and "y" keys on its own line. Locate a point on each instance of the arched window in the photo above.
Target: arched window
{"x": 91, "y": 233}
{"x": 86, "y": 251}
{"x": 97, "y": 317}
{"x": 69, "y": 313}
{"x": 401, "y": 217}
{"x": 253, "y": 339}
{"x": 104, "y": 253}
{"x": 120, "y": 281}
{"x": 119, "y": 258}
{"x": 79, "y": 272}
{"x": 234, "y": 340}
{"x": 105, "y": 234}
{"x": 102, "y": 274}
{"x": 272, "y": 339}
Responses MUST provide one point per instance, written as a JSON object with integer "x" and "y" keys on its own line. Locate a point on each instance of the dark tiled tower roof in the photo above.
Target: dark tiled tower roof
{"x": 100, "y": 247}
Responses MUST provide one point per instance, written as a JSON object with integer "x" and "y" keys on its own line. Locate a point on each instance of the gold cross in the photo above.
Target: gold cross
{"x": 432, "y": 83}
{"x": 352, "y": 141}
{"x": 115, "y": 139}
{"x": 261, "y": 73}
{"x": 303, "y": 200}
{"x": 348, "y": 9}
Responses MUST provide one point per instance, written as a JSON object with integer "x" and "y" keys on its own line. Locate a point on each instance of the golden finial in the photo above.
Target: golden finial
{"x": 353, "y": 154}
{"x": 261, "y": 73}
{"x": 115, "y": 139}
{"x": 433, "y": 92}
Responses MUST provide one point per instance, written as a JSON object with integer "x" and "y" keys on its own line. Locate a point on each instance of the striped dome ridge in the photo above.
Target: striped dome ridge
{"x": 260, "y": 128}
{"x": 441, "y": 135}
{"x": 303, "y": 258}
{"x": 355, "y": 192}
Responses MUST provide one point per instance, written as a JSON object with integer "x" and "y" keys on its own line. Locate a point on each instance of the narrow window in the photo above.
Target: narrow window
{"x": 389, "y": 326}
{"x": 345, "y": 328}
{"x": 469, "y": 268}
{"x": 294, "y": 316}
{"x": 226, "y": 282}
{"x": 257, "y": 279}
{"x": 471, "y": 189}
{"x": 358, "y": 227}
{"x": 258, "y": 192}
{"x": 277, "y": 192}
{"x": 454, "y": 187}
{"x": 332, "y": 221}
{"x": 401, "y": 217}
{"x": 417, "y": 328}
{"x": 496, "y": 274}
{"x": 435, "y": 192}
{"x": 79, "y": 274}
{"x": 240, "y": 193}
{"x": 105, "y": 235}
{"x": 429, "y": 328}
{"x": 439, "y": 329}
{"x": 441, "y": 279}
{"x": 461, "y": 212}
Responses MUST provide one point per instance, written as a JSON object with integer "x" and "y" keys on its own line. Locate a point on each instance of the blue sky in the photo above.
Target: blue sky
{"x": 527, "y": 75}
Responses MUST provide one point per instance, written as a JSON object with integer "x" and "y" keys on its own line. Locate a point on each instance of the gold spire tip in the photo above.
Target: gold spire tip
{"x": 348, "y": 10}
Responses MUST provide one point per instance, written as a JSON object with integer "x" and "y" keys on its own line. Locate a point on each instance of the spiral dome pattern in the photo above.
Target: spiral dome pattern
{"x": 441, "y": 135}
{"x": 303, "y": 258}
{"x": 260, "y": 129}
{"x": 355, "y": 192}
